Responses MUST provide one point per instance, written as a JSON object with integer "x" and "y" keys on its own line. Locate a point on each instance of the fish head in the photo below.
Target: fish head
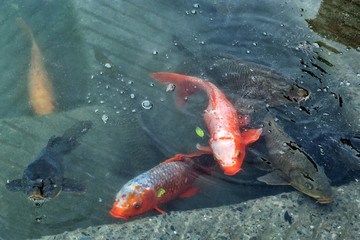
{"x": 42, "y": 180}
{"x": 229, "y": 153}
{"x": 133, "y": 200}
{"x": 315, "y": 184}
{"x": 41, "y": 189}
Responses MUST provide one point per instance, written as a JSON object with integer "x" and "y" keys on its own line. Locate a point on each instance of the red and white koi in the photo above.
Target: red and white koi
{"x": 227, "y": 142}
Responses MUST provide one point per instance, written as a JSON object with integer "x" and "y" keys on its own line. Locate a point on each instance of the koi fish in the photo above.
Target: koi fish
{"x": 256, "y": 84}
{"x": 227, "y": 142}
{"x": 40, "y": 88}
{"x": 44, "y": 178}
{"x": 290, "y": 165}
{"x": 168, "y": 180}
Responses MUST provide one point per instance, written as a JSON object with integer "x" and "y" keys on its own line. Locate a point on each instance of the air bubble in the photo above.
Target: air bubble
{"x": 107, "y": 65}
{"x": 132, "y": 96}
{"x": 104, "y": 118}
{"x": 146, "y": 104}
{"x": 170, "y": 87}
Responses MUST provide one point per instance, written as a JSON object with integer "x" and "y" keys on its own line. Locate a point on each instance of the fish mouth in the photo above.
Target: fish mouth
{"x": 36, "y": 196}
{"x": 230, "y": 170}
{"x": 115, "y": 212}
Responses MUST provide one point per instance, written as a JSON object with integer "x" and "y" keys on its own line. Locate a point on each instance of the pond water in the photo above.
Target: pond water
{"x": 98, "y": 55}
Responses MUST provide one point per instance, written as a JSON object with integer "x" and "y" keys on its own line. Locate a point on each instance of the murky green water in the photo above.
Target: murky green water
{"x": 99, "y": 54}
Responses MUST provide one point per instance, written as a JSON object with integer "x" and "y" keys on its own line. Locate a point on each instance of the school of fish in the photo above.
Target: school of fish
{"x": 43, "y": 179}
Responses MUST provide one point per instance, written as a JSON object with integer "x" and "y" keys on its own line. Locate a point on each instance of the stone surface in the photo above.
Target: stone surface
{"x": 283, "y": 216}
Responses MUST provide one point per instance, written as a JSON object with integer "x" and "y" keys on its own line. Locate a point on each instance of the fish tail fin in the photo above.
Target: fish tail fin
{"x": 186, "y": 85}
{"x": 68, "y": 142}
{"x": 23, "y": 25}
{"x": 77, "y": 130}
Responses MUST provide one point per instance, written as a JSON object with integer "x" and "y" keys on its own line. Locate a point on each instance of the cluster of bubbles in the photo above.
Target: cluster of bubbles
{"x": 195, "y": 9}
{"x": 121, "y": 98}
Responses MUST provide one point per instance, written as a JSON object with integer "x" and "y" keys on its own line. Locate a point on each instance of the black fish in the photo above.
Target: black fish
{"x": 44, "y": 178}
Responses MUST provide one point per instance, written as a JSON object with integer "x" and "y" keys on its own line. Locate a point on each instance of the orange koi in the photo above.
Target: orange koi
{"x": 227, "y": 142}
{"x": 39, "y": 84}
{"x": 173, "y": 178}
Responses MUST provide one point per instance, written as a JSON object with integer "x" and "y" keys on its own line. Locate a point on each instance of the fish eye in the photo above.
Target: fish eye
{"x": 238, "y": 153}
{"x": 136, "y": 205}
{"x": 309, "y": 186}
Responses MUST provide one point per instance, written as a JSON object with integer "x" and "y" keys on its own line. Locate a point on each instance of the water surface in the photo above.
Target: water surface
{"x": 99, "y": 55}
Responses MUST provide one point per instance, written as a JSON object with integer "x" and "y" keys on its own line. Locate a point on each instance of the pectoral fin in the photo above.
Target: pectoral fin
{"x": 251, "y": 135}
{"x": 275, "y": 178}
{"x": 71, "y": 185}
{"x": 159, "y": 210}
{"x": 204, "y": 149}
{"x": 14, "y": 185}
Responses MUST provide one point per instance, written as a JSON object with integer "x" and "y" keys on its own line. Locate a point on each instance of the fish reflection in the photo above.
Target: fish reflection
{"x": 40, "y": 88}
{"x": 44, "y": 178}
{"x": 291, "y": 166}
{"x": 168, "y": 180}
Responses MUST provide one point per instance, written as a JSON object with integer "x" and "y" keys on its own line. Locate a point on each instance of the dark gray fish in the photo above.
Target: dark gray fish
{"x": 247, "y": 85}
{"x": 43, "y": 179}
{"x": 290, "y": 165}
{"x": 254, "y": 83}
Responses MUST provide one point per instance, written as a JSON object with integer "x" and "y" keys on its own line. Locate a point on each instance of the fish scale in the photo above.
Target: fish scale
{"x": 174, "y": 177}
